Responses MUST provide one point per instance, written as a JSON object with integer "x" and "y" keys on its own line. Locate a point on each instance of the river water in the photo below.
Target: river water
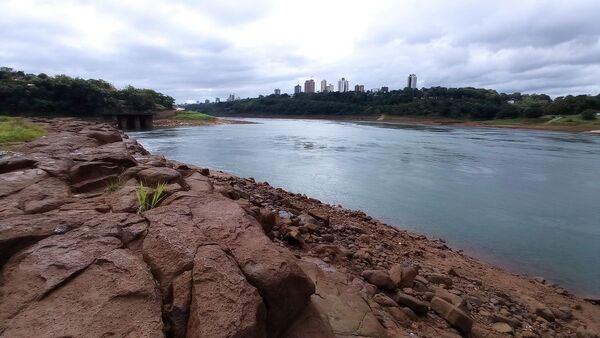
{"x": 526, "y": 200}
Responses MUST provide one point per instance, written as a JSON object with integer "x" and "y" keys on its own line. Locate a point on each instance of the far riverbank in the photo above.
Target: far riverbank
{"x": 557, "y": 124}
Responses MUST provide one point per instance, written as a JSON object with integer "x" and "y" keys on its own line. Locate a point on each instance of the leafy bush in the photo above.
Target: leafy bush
{"x": 32, "y": 94}
{"x": 589, "y": 114}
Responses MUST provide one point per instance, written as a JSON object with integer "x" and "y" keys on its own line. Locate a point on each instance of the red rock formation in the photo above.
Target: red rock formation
{"x": 221, "y": 256}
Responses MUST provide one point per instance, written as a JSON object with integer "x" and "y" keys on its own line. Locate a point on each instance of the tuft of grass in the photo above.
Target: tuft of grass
{"x": 13, "y": 129}
{"x": 113, "y": 186}
{"x": 144, "y": 200}
{"x": 192, "y": 115}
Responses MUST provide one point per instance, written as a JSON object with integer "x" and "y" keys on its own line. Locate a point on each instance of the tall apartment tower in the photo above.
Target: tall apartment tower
{"x": 309, "y": 86}
{"x": 343, "y": 85}
{"x": 412, "y": 81}
{"x": 330, "y": 88}
{"x": 359, "y": 88}
{"x": 297, "y": 89}
{"x": 277, "y": 91}
{"x": 324, "y": 87}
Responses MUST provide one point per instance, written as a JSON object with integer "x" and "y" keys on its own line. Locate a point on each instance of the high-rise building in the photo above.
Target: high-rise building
{"x": 385, "y": 89}
{"x": 277, "y": 91}
{"x": 343, "y": 85}
{"x": 324, "y": 87}
{"x": 297, "y": 89}
{"x": 217, "y": 100}
{"x": 231, "y": 98}
{"x": 207, "y": 101}
{"x": 359, "y": 88}
{"x": 309, "y": 86}
{"x": 412, "y": 81}
{"x": 330, "y": 88}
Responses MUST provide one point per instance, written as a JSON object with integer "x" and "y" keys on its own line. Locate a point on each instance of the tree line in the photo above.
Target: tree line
{"x": 461, "y": 103}
{"x": 61, "y": 95}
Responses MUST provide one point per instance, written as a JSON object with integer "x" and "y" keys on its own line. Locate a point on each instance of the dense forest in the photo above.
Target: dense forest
{"x": 463, "y": 103}
{"x": 61, "y": 95}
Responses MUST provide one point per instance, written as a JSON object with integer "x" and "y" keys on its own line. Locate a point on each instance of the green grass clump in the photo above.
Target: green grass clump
{"x": 14, "y": 129}
{"x": 113, "y": 186}
{"x": 147, "y": 202}
{"x": 192, "y": 115}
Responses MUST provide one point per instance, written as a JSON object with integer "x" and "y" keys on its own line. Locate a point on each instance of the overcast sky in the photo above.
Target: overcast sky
{"x": 196, "y": 50}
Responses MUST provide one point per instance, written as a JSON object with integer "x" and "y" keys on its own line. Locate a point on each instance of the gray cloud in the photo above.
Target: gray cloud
{"x": 195, "y": 51}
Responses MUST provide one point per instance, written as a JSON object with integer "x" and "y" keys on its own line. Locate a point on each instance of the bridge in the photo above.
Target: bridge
{"x": 130, "y": 120}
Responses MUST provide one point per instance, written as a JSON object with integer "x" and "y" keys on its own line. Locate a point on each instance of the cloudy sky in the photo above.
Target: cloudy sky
{"x": 194, "y": 50}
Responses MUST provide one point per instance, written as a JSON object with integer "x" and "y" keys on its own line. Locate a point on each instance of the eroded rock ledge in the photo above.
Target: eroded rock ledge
{"x": 222, "y": 256}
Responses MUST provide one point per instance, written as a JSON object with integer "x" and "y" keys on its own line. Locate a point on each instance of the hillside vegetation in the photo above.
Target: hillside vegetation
{"x": 61, "y": 95}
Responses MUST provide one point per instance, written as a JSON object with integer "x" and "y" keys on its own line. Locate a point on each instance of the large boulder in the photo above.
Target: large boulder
{"x": 169, "y": 247}
{"x": 114, "y": 296}
{"x": 37, "y": 271}
{"x": 88, "y": 176}
{"x": 379, "y": 278}
{"x": 418, "y": 306}
{"x": 283, "y": 285}
{"x": 104, "y": 136}
{"x": 153, "y": 176}
{"x": 23, "y": 230}
{"x": 223, "y": 304}
{"x": 342, "y": 310}
{"x": 452, "y": 314}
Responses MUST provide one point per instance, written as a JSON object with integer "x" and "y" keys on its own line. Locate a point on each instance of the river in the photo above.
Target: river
{"x": 528, "y": 201}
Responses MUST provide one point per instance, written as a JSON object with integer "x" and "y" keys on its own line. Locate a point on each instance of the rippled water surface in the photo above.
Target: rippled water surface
{"x": 528, "y": 200}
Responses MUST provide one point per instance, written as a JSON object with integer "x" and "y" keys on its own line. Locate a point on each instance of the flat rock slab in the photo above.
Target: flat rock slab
{"x": 114, "y": 297}
{"x": 223, "y": 304}
{"x": 340, "y": 306}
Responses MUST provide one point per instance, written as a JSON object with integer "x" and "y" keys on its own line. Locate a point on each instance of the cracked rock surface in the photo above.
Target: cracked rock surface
{"x": 223, "y": 256}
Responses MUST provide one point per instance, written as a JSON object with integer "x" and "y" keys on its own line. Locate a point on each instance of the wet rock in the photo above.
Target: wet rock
{"x": 379, "y": 278}
{"x": 223, "y": 303}
{"x": 452, "y": 314}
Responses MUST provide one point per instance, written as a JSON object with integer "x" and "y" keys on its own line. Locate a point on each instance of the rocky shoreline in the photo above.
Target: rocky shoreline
{"x": 223, "y": 256}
